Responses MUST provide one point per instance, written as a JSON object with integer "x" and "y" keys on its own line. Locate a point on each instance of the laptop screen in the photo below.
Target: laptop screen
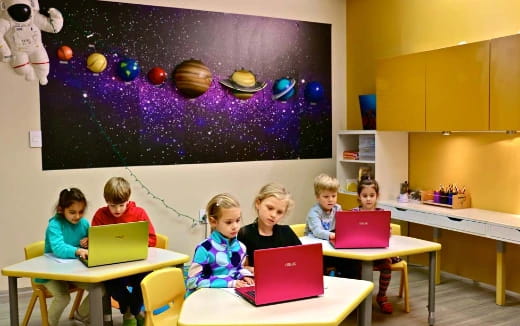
{"x": 362, "y": 229}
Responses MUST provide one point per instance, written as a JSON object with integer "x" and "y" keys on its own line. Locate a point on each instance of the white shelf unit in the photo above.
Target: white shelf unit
{"x": 390, "y": 167}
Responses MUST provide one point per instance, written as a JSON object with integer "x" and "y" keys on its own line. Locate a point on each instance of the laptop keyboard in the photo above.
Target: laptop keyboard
{"x": 251, "y": 293}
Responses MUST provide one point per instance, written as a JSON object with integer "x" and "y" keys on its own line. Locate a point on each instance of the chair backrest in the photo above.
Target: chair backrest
{"x": 162, "y": 241}
{"x": 163, "y": 287}
{"x": 299, "y": 229}
{"x": 396, "y": 229}
{"x": 34, "y": 249}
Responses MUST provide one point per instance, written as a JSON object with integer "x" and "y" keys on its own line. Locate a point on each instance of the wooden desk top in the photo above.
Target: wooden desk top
{"x": 398, "y": 246}
{"x": 210, "y": 306}
{"x": 48, "y": 268}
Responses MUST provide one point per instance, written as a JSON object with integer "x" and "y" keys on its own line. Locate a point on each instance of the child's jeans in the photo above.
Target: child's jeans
{"x": 61, "y": 298}
{"x": 128, "y": 301}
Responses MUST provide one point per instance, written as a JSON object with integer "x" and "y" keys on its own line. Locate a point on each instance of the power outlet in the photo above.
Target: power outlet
{"x": 202, "y": 215}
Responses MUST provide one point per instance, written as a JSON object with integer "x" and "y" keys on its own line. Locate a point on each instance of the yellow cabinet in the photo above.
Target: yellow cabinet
{"x": 457, "y": 88}
{"x": 400, "y": 89}
{"x": 505, "y": 83}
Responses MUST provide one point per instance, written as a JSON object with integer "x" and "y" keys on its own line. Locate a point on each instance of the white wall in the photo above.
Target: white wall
{"x": 28, "y": 194}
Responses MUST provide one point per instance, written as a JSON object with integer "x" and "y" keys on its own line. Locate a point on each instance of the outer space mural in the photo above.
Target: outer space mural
{"x": 118, "y": 117}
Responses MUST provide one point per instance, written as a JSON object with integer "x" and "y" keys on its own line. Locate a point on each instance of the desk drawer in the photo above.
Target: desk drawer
{"x": 458, "y": 224}
{"x": 440, "y": 221}
{"x": 508, "y": 234}
{"x": 412, "y": 216}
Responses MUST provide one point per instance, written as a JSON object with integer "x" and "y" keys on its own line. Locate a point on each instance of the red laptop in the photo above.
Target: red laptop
{"x": 285, "y": 274}
{"x": 362, "y": 229}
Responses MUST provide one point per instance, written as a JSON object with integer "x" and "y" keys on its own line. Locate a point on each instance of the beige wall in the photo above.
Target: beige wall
{"x": 385, "y": 28}
{"x": 28, "y": 194}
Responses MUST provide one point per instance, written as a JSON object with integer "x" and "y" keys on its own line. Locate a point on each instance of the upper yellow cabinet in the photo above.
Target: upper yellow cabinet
{"x": 400, "y": 88}
{"x": 505, "y": 83}
{"x": 457, "y": 88}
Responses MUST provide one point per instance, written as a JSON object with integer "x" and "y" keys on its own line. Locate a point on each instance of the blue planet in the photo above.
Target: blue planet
{"x": 128, "y": 69}
{"x": 314, "y": 92}
{"x": 283, "y": 89}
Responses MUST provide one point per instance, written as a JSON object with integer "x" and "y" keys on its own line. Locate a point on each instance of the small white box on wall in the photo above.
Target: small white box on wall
{"x": 35, "y": 138}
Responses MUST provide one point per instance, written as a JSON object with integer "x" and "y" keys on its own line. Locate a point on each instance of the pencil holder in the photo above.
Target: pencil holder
{"x": 437, "y": 198}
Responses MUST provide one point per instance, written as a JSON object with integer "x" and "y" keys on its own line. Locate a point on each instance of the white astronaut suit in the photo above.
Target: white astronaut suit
{"x": 20, "y": 37}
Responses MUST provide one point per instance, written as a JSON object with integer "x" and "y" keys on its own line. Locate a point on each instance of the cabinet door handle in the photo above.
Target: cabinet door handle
{"x": 401, "y": 209}
{"x": 455, "y": 219}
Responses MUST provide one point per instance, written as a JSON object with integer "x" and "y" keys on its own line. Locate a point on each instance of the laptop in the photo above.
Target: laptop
{"x": 362, "y": 229}
{"x": 285, "y": 274}
{"x": 116, "y": 243}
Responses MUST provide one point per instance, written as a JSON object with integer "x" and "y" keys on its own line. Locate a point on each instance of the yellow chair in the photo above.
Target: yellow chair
{"x": 162, "y": 242}
{"x": 160, "y": 288}
{"x": 36, "y": 249}
{"x": 298, "y": 229}
{"x": 402, "y": 266}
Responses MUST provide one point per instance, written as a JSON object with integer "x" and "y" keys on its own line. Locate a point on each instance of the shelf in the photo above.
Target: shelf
{"x": 357, "y": 161}
{"x": 350, "y": 193}
{"x": 389, "y": 166}
{"x": 356, "y": 132}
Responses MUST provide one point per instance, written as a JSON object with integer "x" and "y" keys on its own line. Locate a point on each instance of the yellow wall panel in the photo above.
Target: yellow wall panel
{"x": 504, "y": 81}
{"x": 457, "y": 88}
{"x": 486, "y": 163}
{"x": 400, "y": 89}
{"x": 385, "y": 28}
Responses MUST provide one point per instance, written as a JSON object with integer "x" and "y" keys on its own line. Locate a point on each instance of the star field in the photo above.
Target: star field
{"x": 96, "y": 120}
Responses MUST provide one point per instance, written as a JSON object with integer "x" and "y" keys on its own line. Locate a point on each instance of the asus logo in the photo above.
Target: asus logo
{"x": 363, "y": 223}
{"x": 290, "y": 264}
{"x": 120, "y": 236}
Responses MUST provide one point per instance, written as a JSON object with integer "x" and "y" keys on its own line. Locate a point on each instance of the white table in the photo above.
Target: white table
{"x": 48, "y": 268}
{"x": 212, "y": 307}
{"x": 398, "y": 246}
{"x": 502, "y": 227}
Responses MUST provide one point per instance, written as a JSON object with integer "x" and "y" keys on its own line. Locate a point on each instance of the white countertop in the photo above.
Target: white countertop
{"x": 475, "y": 214}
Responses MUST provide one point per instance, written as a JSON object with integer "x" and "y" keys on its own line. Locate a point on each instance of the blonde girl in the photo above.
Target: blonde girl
{"x": 218, "y": 260}
{"x": 272, "y": 203}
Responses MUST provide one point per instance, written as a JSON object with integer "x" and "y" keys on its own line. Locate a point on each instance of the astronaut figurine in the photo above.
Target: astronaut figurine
{"x": 21, "y": 40}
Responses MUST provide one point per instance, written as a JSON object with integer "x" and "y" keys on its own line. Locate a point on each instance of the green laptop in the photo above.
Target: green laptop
{"x": 117, "y": 243}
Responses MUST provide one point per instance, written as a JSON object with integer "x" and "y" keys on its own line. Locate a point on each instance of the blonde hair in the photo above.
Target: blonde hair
{"x": 324, "y": 182}
{"x": 215, "y": 205}
{"x": 117, "y": 190}
{"x": 275, "y": 190}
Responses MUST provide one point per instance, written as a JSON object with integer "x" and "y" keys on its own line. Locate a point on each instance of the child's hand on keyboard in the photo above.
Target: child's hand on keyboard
{"x": 83, "y": 253}
{"x": 246, "y": 281}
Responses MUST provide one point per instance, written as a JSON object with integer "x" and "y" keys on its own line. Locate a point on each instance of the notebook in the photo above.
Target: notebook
{"x": 285, "y": 274}
{"x": 116, "y": 243}
{"x": 362, "y": 229}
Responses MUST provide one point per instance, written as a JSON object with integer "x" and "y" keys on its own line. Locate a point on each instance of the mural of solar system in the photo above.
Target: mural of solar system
{"x": 147, "y": 85}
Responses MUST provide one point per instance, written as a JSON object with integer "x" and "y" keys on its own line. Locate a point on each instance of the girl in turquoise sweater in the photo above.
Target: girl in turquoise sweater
{"x": 66, "y": 237}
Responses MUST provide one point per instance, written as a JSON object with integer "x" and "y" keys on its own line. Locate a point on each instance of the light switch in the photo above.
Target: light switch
{"x": 35, "y": 138}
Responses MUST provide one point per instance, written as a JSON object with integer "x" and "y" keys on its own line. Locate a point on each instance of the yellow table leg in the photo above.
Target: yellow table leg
{"x": 501, "y": 274}
{"x": 436, "y": 238}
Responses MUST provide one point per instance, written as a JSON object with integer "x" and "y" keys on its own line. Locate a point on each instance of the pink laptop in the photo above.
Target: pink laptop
{"x": 362, "y": 229}
{"x": 285, "y": 274}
